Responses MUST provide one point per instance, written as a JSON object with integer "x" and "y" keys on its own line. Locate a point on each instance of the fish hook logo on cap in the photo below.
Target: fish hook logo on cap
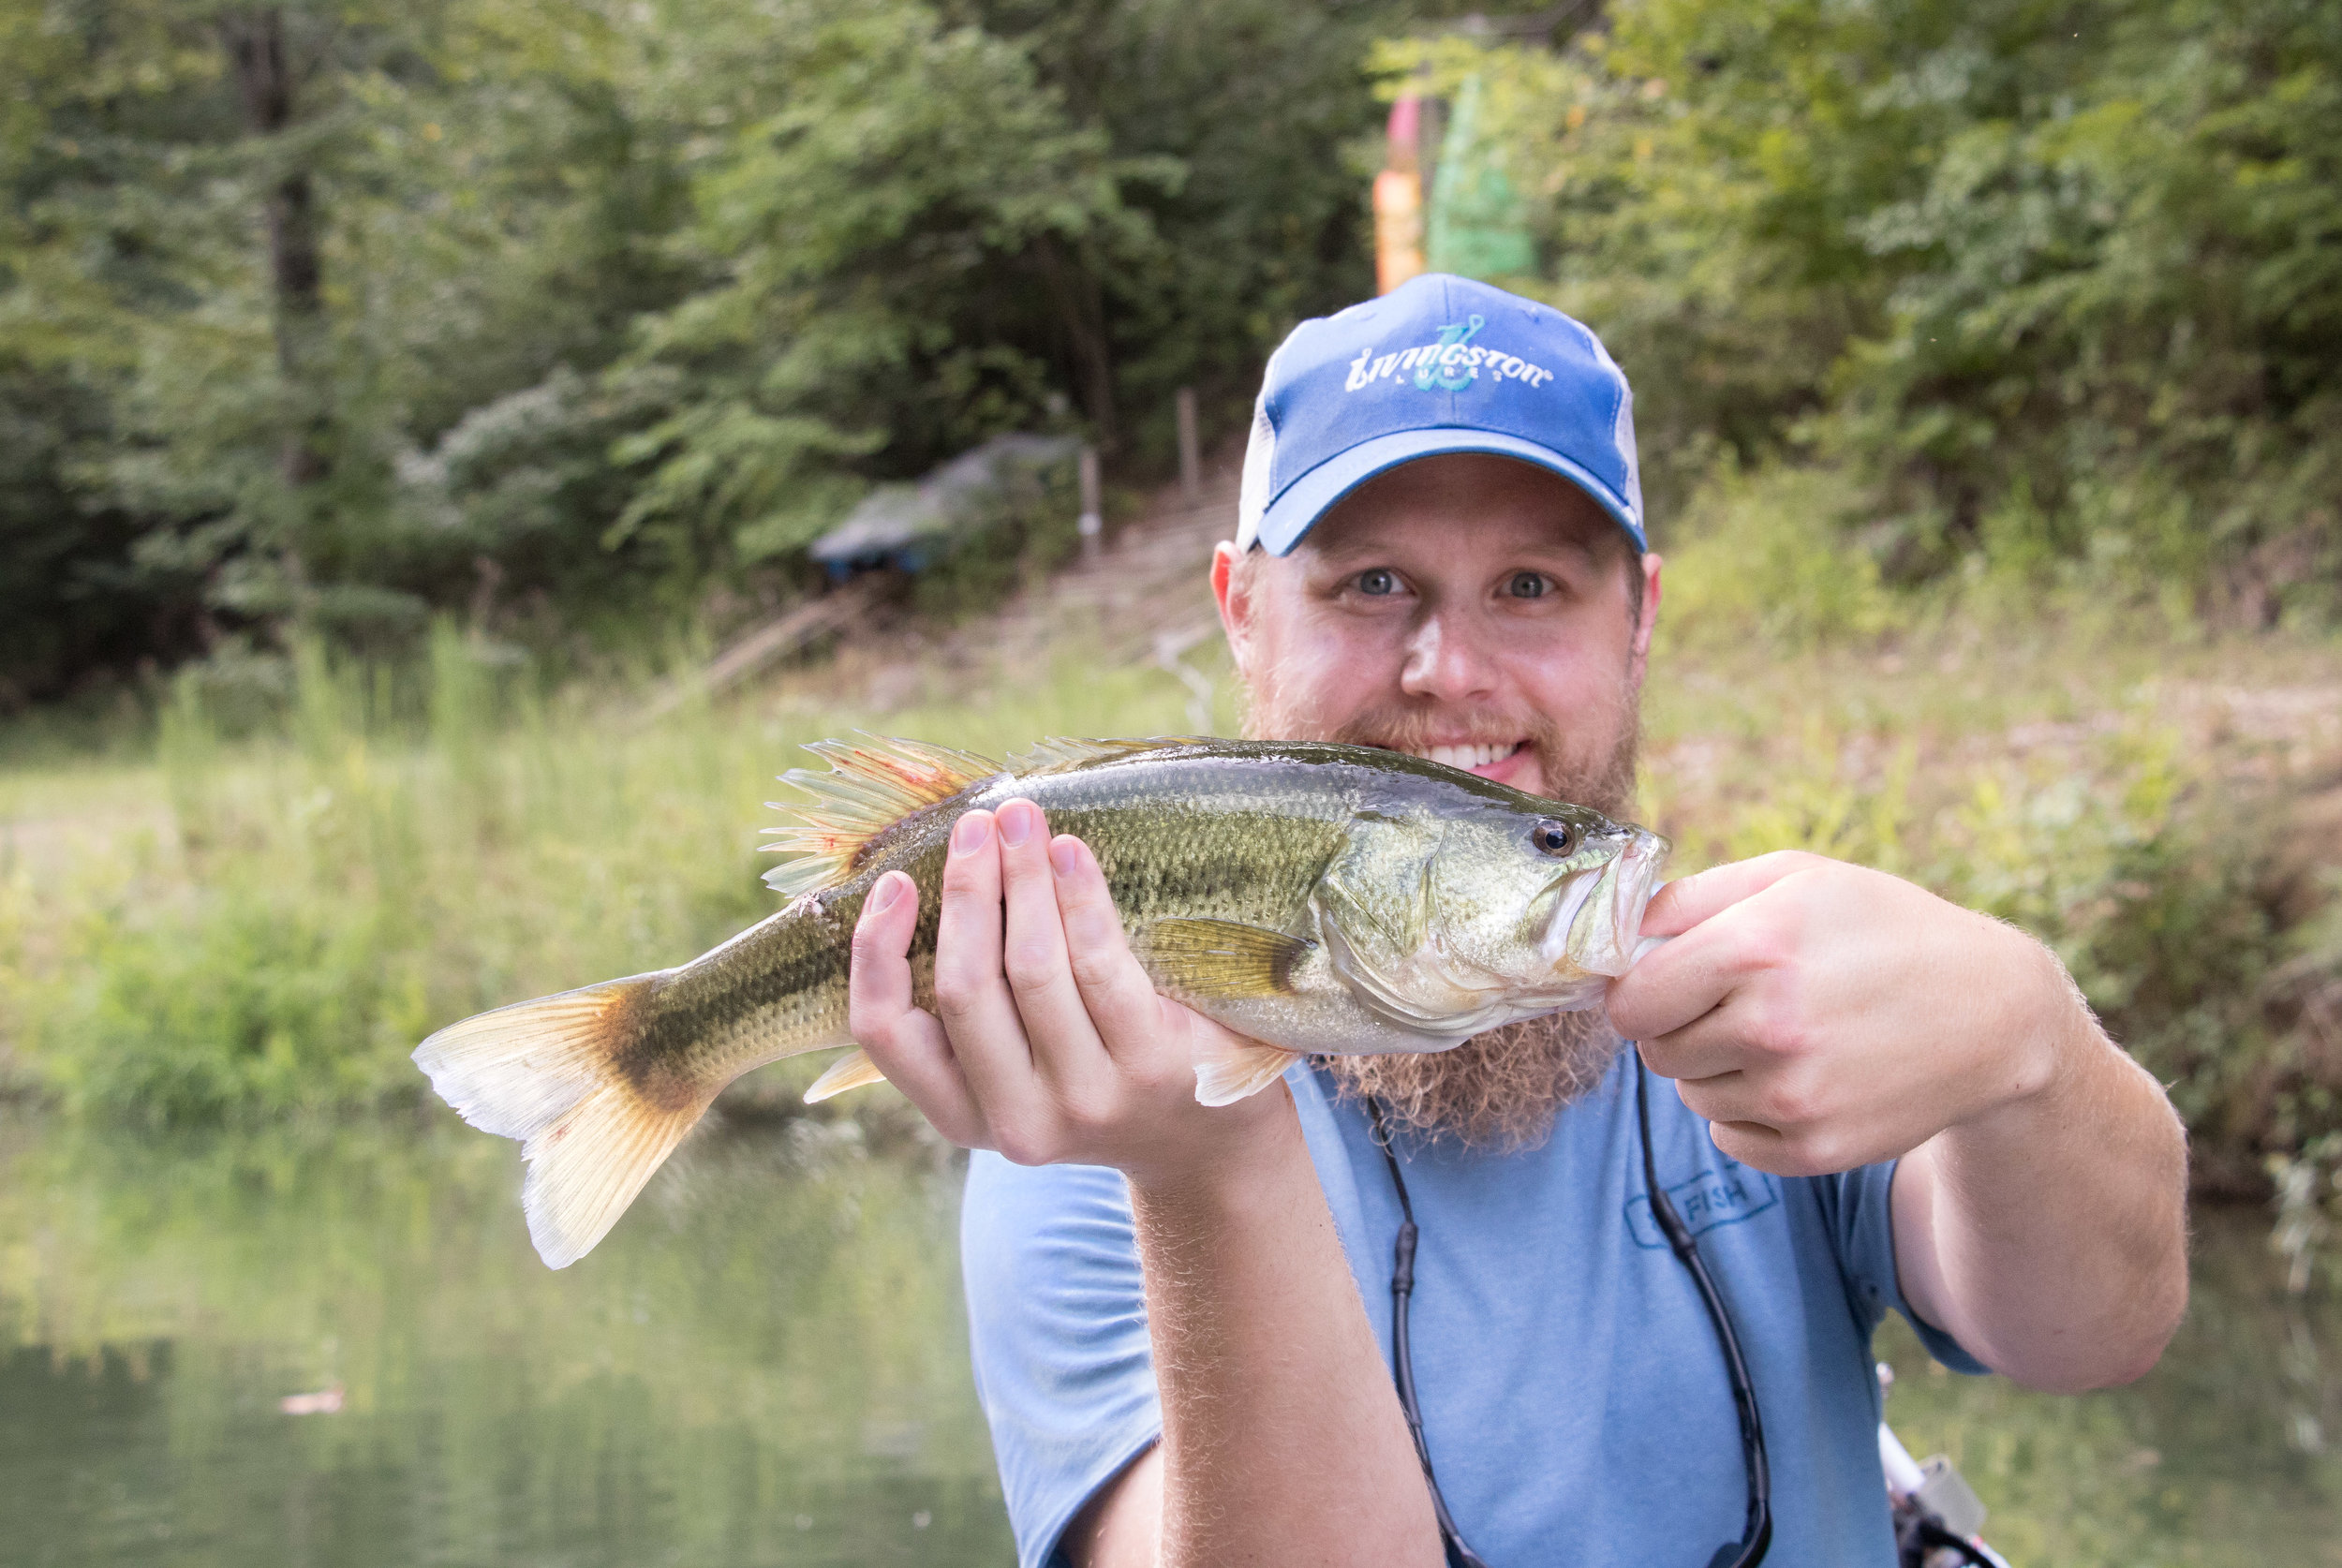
{"x": 1439, "y": 365}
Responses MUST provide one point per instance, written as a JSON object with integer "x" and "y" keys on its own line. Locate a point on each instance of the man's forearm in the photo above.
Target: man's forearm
{"x": 2049, "y": 1236}
{"x": 1282, "y": 1440}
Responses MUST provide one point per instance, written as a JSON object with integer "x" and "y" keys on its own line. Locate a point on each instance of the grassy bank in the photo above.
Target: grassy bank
{"x": 253, "y": 925}
{"x": 264, "y": 925}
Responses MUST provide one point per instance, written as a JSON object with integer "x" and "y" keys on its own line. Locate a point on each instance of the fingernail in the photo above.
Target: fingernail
{"x": 1065, "y": 855}
{"x": 969, "y": 832}
{"x": 1016, "y": 821}
{"x": 890, "y": 887}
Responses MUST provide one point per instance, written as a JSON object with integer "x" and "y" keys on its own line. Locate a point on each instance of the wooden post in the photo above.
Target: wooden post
{"x": 1092, "y": 523}
{"x": 1191, "y": 454}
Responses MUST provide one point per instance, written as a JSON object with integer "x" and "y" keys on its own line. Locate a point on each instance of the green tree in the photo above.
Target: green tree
{"x": 2057, "y": 280}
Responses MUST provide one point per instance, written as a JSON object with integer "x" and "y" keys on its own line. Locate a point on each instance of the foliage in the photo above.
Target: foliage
{"x": 2055, "y": 281}
{"x": 2091, "y": 790}
{"x": 572, "y": 312}
{"x": 394, "y": 846}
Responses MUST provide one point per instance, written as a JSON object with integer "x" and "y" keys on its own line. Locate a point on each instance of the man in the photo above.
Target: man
{"x": 1882, "y": 1101}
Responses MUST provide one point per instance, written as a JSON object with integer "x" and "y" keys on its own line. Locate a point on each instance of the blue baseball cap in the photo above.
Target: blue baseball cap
{"x": 1439, "y": 365}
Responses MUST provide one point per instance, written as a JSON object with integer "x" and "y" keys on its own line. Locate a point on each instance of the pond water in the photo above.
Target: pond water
{"x": 764, "y": 1363}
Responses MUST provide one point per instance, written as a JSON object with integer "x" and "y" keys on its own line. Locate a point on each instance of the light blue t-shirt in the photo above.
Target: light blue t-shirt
{"x": 1574, "y": 1395}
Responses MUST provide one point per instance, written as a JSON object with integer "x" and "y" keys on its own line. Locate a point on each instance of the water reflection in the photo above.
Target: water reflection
{"x": 2227, "y": 1453}
{"x": 766, "y": 1364}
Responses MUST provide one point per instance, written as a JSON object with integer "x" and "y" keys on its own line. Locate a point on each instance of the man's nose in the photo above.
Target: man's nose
{"x": 1446, "y": 662}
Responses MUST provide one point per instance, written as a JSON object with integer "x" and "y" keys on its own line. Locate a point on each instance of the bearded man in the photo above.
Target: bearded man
{"x": 1882, "y": 1101}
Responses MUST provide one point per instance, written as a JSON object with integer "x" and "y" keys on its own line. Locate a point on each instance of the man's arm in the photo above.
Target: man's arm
{"x": 1283, "y": 1438}
{"x": 1822, "y": 1017}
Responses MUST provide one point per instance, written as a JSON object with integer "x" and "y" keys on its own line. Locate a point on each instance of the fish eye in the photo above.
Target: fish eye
{"x": 1554, "y": 838}
{"x": 1378, "y": 581}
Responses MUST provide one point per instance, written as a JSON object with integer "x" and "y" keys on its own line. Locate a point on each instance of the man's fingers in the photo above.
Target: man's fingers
{"x": 1744, "y": 935}
{"x": 1114, "y": 991}
{"x": 971, "y": 995}
{"x": 904, "y": 1041}
{"x": 1065, "y": 1046}
{"x": 1669, "y": 987}
{"x": 1703, "y": 1048}
{"x": 1685, "y": 902}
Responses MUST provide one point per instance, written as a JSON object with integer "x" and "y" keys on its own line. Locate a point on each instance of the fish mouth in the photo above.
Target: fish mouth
{"x": 1598, "y": 920}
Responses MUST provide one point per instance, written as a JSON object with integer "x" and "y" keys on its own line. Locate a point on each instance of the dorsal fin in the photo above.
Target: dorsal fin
{"x": 1060, "y": 754}
{"x": 869, "y": 786}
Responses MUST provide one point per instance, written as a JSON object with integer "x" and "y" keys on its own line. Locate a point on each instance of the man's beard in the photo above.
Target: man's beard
{"x": 1497, "y": 1092}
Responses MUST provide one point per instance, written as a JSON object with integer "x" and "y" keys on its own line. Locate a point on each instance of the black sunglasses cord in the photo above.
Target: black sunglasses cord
{"x": 1756, "y": 1536}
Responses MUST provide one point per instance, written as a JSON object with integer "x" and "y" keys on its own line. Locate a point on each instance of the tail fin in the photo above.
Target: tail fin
{"x": 545, "y": 1072}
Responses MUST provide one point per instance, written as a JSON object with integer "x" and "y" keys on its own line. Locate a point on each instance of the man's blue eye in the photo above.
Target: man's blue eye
{"x": 1528, "y": 584}
{"x": 1378, "y": 581}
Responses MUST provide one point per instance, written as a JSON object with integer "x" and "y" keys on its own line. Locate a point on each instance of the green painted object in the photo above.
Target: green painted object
{"x": 1476, "y": 228}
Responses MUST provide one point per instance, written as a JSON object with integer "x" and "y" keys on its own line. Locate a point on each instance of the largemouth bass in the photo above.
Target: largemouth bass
{"x": 1313, "y": 897}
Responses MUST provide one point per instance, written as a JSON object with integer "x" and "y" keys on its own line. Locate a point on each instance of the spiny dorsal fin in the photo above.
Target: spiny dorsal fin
{"x": 1063, "y": 754}
{"x": 868, "y": 788}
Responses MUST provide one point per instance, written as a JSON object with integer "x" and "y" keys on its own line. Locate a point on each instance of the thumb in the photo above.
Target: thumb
{"x": 1689, "y": 900}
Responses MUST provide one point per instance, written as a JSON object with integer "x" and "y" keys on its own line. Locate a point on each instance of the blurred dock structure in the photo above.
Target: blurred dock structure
{"x": 1139, "y": 594}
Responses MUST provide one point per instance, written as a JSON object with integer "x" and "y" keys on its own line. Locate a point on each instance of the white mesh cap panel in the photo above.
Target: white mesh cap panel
{"x": 1260, "y": 455}
{"x": 1623, "y": 430}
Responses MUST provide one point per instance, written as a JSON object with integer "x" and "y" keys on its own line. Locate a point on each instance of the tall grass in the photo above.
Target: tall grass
{"x": 267, "y": 926}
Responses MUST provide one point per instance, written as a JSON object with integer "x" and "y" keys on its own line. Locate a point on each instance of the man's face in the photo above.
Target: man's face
{"x": 1470, "y": 609}
{"x": 1478, "y": 612}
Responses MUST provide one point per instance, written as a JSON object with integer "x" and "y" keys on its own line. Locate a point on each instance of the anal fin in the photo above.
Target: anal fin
{"x": 853, "y": 1071}
{"x": 1227, "y": 1076}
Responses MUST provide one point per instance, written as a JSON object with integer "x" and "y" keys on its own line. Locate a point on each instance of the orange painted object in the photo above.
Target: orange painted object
{"x": 1398, "y": 229}
{"x": 1399, "y": 199}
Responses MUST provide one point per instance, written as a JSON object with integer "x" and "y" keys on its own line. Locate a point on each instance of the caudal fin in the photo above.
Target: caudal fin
{"x": 545, "y": 1072}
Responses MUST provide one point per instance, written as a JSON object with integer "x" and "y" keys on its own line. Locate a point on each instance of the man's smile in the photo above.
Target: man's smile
{"x": 1498, "y": 760}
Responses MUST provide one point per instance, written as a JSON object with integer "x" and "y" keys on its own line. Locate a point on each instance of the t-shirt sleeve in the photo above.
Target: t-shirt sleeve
{"x": 1057, "y": 1322}
{"x": 1862, "y": 1221}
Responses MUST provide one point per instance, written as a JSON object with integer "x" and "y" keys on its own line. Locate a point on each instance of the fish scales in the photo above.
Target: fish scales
{"x": 1312, "y": 896}
{"x": 1226, "y": 851}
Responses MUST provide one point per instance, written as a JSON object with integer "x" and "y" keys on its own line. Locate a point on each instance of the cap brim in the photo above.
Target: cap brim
{"x": 1289, "y": 518}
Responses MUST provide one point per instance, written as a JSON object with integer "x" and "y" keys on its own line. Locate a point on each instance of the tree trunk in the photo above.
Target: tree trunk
{"x": 1081, "y": 311}
{"x": 255, "y": 40}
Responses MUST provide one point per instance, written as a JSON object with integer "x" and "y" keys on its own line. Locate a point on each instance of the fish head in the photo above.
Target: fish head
{"x": 1478, "y": 907}
{"x": 1548, "y": 897}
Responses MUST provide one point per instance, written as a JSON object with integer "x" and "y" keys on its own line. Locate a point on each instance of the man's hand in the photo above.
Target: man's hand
{"x": 1822, "y": 1017}
{"x": 1049, "y": 1044}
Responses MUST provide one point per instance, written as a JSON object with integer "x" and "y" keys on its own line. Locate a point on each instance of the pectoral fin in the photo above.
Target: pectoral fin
{"x": 1239, "y": 1071}
{"x": 1218, "y": 959}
